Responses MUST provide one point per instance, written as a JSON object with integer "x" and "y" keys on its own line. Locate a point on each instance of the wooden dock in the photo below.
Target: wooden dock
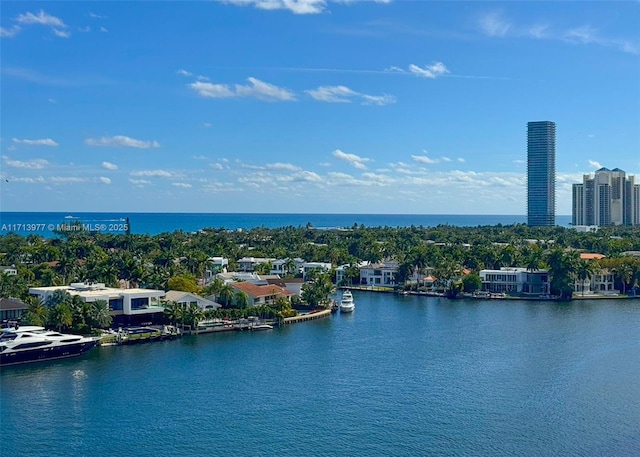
{"x": 307, "y": 317}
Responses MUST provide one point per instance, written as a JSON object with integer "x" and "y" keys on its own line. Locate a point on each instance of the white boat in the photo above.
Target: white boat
{"x": 346, "y": 302}
{"x": 258, "y": 327}
{"x": 35, "y": 344}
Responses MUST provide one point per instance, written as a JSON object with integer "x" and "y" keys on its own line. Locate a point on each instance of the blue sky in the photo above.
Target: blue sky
{"x": 310, "y": 105}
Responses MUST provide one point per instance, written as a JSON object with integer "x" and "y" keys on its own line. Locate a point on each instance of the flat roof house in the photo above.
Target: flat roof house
{"x": 127, "y": 306}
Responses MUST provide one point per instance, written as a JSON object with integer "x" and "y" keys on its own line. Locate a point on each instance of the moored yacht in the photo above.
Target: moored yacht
{"x": 35, "y": 344}
{"x": 346, "y": 303}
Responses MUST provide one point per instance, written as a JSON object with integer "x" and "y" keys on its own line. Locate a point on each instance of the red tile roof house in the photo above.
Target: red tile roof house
{"x": 261, "y": 295}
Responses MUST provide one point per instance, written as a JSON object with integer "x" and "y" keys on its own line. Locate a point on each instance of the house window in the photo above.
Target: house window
{"x": 140, "y": 303}
{"x": 115, "y": 304}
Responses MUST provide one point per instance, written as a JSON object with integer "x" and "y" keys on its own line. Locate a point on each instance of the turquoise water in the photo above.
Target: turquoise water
{"x": 399, "y": 376}
{"x": 153, "y": 223}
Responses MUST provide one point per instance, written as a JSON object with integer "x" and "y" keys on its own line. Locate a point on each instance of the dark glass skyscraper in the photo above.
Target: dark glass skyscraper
{"x": 541, "y": 174}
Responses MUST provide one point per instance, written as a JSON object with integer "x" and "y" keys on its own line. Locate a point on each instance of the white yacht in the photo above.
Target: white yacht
{"x": 346, "y": 303}
{"x": 35, "y": 344}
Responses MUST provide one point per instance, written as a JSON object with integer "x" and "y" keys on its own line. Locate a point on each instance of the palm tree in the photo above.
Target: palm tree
{"x": 174, "y": 312}
{"x": 99, "y": 314}
{"x": 242, "y": 300}
{"x": 226, "y": 295}
{"x": 625, "y": 272}
{"x": 37, "y": 314}
{"x": 584, "y": 271}
{"x": 193, "y": 314}
{"x": 61, "y": 316}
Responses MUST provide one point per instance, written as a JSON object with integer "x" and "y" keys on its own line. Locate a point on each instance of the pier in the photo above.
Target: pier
{"x": 307, "y": 317}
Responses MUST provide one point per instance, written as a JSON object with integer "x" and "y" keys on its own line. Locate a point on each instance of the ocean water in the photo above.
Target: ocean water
{"x": 26, "y": 223}
{"x": 401, "y": 376}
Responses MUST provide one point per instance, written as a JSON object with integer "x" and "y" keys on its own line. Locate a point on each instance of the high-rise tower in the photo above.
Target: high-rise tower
{"x": 541, "y": 174}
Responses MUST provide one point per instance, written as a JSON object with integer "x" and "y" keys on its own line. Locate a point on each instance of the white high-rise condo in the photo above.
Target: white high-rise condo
{"x": 607, "y": 198}
{"x": 541, "y": 174}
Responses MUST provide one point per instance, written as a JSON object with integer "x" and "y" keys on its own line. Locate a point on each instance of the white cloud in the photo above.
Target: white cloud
{"x": 51, "y": 100}
{"x": 424, "y": 159}
{"x": 121, "y": 141}
{"x": 61, "y": 33}
{"x": 210, "y": 90}
{"x": 342, "y": 94}
{"x": 183, "y": 185}
{"x": 352, "y": 159}
{"x": 109, "y": 166}
{"x": 295, "y": 6}
{"x": 216, "y": 166}
{"x": 10, "y": 32}
{"x": 429, "y": 71}
{"x": 41, "y": 142}
{"x": 184, "y": 73}
{"x": 461, "y": 160}
{"x": 332, "y": 94}
{"x": 594, "y": 164}
{"x": 84, "y": 29}
{"x": 264, "y": 91}
{"x": 494, "y": 24}
{"x": 445, "y": 159}
{"x": 152, "y": 173}
{"x": 104, "y": 180}
{"x": 97, "y": 16}
{"x": 41, "y": 18}
{"x": 207, "y": 125}
{"x": 282, "y": 166}
{"x": 34, "y": 164}
{"x": 139, "y": 182}
{"x": 378, "y": 100}
{"x": 256, "y": 88}
{"x": 104, "y": 29}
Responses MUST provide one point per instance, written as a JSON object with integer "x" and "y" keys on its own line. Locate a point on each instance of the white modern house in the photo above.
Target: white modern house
{"x": 127, "y": 306}
{"x": 307, "y": 267}
{"x": 9, "y": 270}
{"x": 248, "y": 264}
{"x": 215, "y": 265}
{"x": 515, "y": 280}
{"x": 379, "y": 274}
{"x": 278, "y": 267}
{"x": 187, "y": 299}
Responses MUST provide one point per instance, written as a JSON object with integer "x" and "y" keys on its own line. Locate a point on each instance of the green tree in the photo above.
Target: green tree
{"x": 471, "y": 282}
{"x": 61, "y": 317}
{"x": 226, "y": 295}
{"x": 37, "y": 313}
{"x": 241, "y": 299}
{"x": 185, "y": 283}
{"x": 584, "y": 271}
{"x": 99, "y": 314}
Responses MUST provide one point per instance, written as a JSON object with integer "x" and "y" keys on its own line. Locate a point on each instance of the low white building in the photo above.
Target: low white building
{"x": 248, "y": 264}
{"x": 279, "y": 267}
{"x": 127, "y": 306}
{"x": 515, "y": 280}
{"x": 379, "y": 274}
{"x": 215, "y": 265}
{"x": 187, "y": 299}
{"x": 307, "y": 267}
{"x": 9, "y": 270}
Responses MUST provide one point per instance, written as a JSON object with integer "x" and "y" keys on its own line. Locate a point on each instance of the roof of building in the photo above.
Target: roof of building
{"x": 591, "y": 256}
{"x": 7, "y": 304}
{"x": 261, "y": 291}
